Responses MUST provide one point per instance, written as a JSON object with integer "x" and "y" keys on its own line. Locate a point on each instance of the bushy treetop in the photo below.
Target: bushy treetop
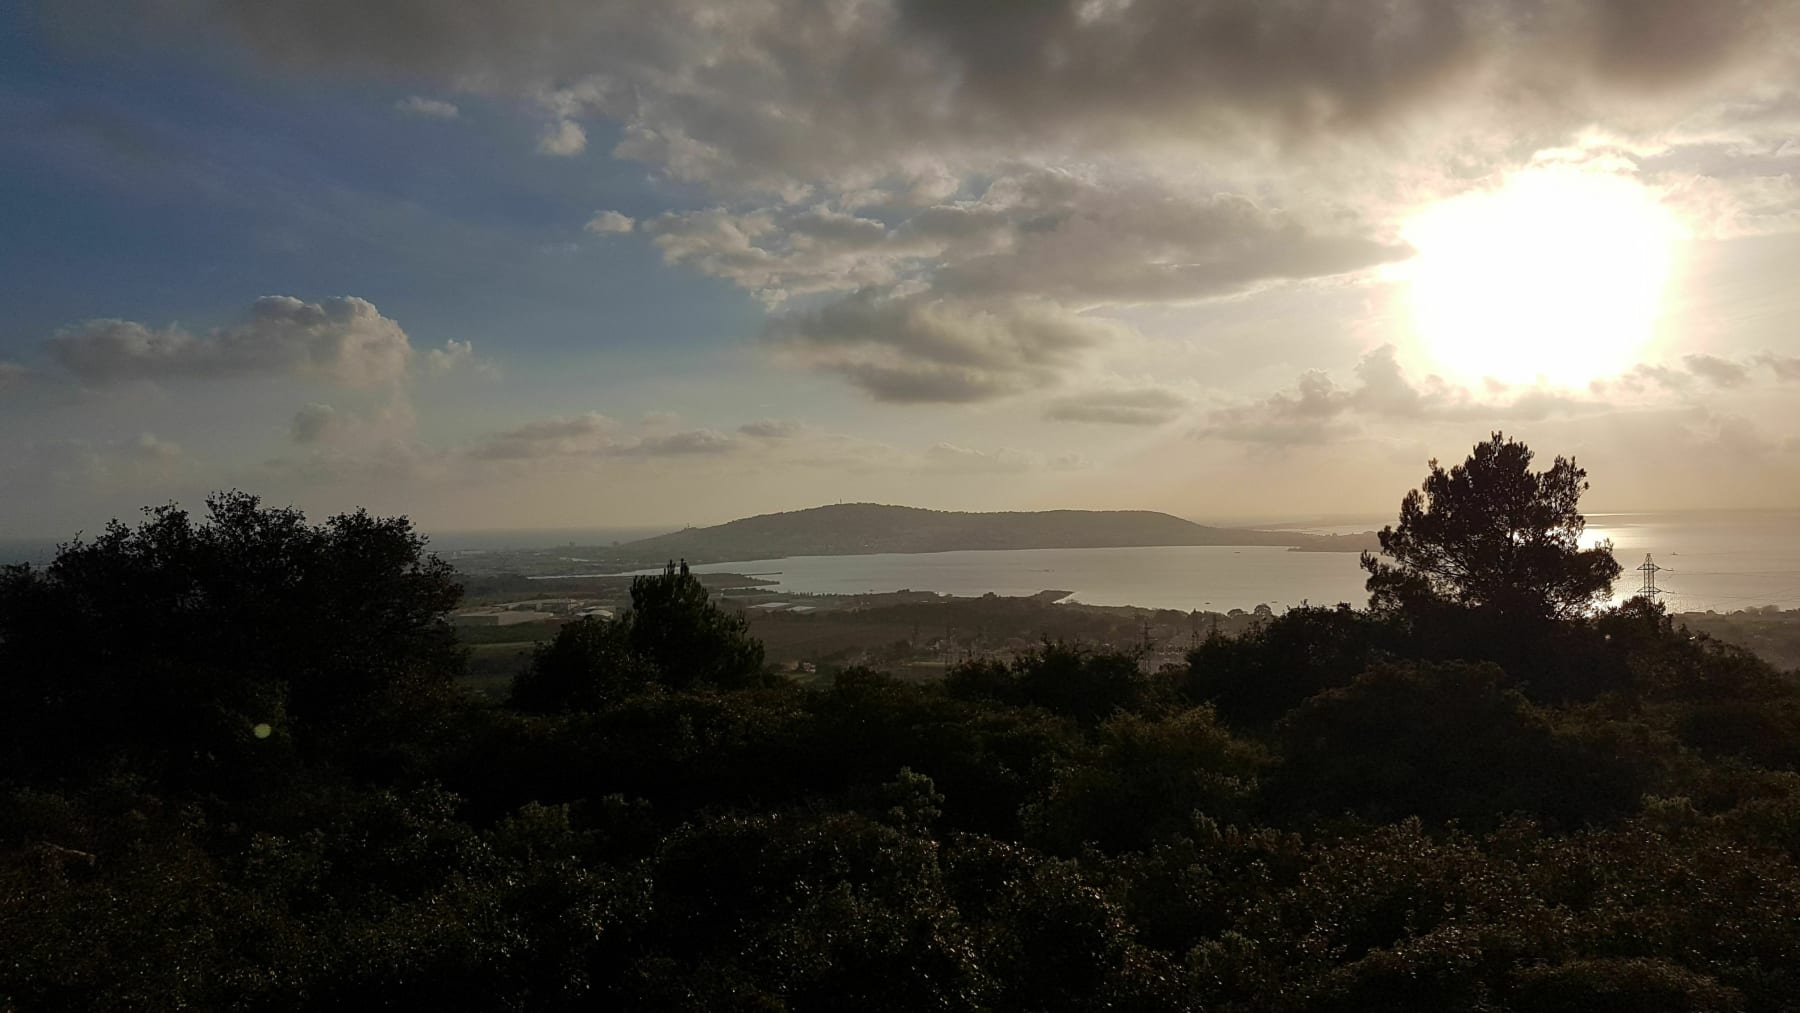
{"x": 1490, "y": 532}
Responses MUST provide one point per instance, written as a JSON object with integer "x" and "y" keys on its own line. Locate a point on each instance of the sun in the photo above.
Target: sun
{"x": 1556, "y": 277}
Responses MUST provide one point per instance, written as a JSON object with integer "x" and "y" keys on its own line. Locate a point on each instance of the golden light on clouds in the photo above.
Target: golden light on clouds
{"x": 1556, "y": 277}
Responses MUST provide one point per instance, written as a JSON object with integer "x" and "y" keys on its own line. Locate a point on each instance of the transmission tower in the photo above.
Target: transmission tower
{"x": 1649, "y": 569}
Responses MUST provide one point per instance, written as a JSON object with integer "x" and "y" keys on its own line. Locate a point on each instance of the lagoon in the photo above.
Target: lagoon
{"x": 1722, "y": 562}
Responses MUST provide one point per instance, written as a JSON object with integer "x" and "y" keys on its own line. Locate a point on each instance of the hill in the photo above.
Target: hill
{"x": 862, "y": 528}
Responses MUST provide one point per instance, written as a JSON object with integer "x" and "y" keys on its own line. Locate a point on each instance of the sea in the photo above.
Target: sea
{"x": 1723, "y": 562}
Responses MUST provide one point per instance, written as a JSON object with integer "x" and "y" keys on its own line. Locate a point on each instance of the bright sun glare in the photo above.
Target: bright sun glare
{"x": 1555, "y": 277}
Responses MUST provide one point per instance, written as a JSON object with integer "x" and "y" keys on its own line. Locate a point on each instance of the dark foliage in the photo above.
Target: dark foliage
{"x": 1258, "y": 677}
{"x": 589, "y": 664}
{"x": 164, "y": 646}
{"x": 673, "y": 637}
{"x": 1443, "y": 742}
{"x": 1085, "y": 685}
{"x": 1491, "y": 532}
{"x": 1453, "y": 806}
{"x": 674, "y": 626}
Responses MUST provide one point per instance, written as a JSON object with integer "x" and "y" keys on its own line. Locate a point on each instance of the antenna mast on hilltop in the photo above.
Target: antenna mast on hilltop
{"x": 1649, "y": 589}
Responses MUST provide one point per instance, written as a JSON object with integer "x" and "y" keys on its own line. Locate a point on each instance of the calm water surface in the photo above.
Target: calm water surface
{"x": 1721, "y": 562}
{"x": 1183, "y": 577}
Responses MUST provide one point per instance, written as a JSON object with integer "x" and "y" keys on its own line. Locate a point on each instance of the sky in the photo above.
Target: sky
{"x": 573, "y": 264}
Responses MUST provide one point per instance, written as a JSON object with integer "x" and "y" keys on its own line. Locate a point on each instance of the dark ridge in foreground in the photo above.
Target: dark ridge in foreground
{"x": 860, "y": 528}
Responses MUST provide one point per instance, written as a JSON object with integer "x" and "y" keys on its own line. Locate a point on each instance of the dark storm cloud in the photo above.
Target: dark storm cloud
{"x": 795, "y": 89}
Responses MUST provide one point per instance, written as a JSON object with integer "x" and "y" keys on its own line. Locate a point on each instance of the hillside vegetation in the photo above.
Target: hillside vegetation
{"x": 238, "y": 776}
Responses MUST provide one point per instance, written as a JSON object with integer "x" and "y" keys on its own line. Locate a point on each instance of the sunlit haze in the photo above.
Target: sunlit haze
{"x": 1556, "y": 276}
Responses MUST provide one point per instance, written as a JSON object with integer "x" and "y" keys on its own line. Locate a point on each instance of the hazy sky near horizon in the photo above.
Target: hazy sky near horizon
{"x": 559, "y": 263}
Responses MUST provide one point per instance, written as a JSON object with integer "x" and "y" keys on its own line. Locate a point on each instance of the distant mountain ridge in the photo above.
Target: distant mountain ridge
{"x": 848, "y": 529}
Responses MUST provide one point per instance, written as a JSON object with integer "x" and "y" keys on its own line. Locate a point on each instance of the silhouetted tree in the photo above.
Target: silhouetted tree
{"x": 1256, "y": 677}
{"x": 1491, "y": 532}
{"x": 173, "y": 641}
{"x": 1077, "y": 682}
{"x": 675, "y": 626}
{"x": 1604, "y": 815}
{"x": 1443, "y": 742}
{"x": 589, "y": 664}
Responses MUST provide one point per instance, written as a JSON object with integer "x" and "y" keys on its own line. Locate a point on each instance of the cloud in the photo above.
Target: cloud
{"x": 345, "y": 340}
{"x": 562, "y": 137}
{"x": 1134, "y": 240}
{"x": 377, "y": 440}
{"x": 1040, "y": 231}
{"x": 578, "y": 434}
{"x": 1700, "y": 372}
{"x": 963, "y": 460}
{"x": 427, "y": 108}
{"x": 608, "y": 223}
{"x": 693, "y": 441}
{"x": 135, "y": 464}
{"x": 770, "y": 429}
{"x": 1318, "y": 410}
{"x": 1308, "y": 414}
{"x": 312, "y": 423}
{"x": 1136, "y": 406}
{"x": 1785, "y": 367}
{"x": 778, "y": 254}
{"x": 457, "y": 356}
{"x": 758, "y": 446}
{"x": 921, "y": 350}
{"x": 10, "y": 372}
{"x": 780, "y": 91}
{"x": 1719, "y": 372}
{"x": 596, "y": 435}
{"x": 152, "y": 447}
{"x": 944, "y": 202}
{"x": 1059, "y": 242}
{"x": 1087, "y": 155}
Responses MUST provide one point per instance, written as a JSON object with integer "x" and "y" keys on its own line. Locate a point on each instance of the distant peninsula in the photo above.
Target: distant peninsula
{"x": 848, "y": 529}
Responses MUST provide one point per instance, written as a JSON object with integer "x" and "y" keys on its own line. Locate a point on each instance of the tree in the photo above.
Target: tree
{"x": 192, "y": 647}
{"x": 1070, "y": 680}
{"x": 1441, "y": 742}
{"x": 673, "y": 636}
{"x": 589, "y": 665}
{"x": 1492, "y": 533}
{"x": 675, "y": 626}
{"x": 1256, "y": 677}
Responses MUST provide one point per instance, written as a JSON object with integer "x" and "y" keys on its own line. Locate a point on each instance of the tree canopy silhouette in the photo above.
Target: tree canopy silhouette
{"x": 673, "y": 635}
{"x": 677, "y": 628}
{"x": 235, "y": 774}
{"x": 1490, "y": 532}
{"x": 171, "y": 642}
